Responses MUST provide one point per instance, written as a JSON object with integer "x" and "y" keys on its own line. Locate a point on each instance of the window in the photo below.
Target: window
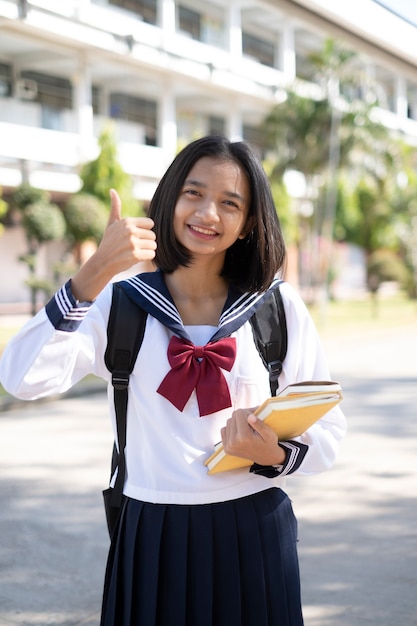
{"x": 259, "y": 49}
{"x": 51, "y": 118}
{"x": 145, "y": 9}
{"x": 207, "y": 26}
{"x": 95, "y": 99}
{"x": 307, "y": 44}
{"x": 213, "y": 30}
{"x": 216, "y": 125}
{"x": 412, "y": 100}
{"x": 305, "y": 68}
{"x": 189, "y": 22}
{"x": 52, "y": 92}
{"x": 254, "y": 136}
{"x": 137, "y": 110}
{"x": 5, "y": 80}
{"x": 385, "y": 88}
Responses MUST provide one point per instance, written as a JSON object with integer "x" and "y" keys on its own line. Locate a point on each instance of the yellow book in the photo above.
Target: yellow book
{"x": 289, "y": 414}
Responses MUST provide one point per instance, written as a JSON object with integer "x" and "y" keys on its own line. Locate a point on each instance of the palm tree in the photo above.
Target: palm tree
{"x": 323, "y": 133}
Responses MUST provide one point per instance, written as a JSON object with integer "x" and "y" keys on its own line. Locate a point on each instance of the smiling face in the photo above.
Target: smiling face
{"x": 212, "y": 209}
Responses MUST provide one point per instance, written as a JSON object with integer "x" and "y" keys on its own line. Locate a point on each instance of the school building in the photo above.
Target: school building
{"x": 165, "y": 72}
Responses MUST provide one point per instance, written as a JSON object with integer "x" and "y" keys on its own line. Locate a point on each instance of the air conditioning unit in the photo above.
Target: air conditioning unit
{"x": 26, "y": 89}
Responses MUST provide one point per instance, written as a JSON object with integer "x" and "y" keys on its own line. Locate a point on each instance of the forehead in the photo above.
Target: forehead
{"x": 226, "y": 173}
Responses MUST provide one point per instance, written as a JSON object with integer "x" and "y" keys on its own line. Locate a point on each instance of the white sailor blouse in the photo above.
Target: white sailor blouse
{"x": 167, "y": 445}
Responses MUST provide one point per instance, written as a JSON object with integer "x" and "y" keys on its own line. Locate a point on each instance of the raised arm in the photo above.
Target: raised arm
{"x": 125, "y": 242}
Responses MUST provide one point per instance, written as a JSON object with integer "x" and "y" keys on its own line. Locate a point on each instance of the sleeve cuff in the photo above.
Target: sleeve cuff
{"x": 295, "y": 453}
{"x": 64, "y": 311}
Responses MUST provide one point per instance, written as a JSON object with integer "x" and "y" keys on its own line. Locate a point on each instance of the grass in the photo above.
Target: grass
{"x": 364, "y": 316}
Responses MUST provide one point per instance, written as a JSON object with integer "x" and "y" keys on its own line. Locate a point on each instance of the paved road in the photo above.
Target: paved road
{"x": 54, "y": 461}
{"x": 357, "y": 523}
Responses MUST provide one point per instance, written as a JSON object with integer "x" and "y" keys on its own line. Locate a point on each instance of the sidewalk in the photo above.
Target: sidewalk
{"x": 357, "y": 522}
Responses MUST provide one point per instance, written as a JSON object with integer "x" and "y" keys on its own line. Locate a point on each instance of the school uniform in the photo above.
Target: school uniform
{"x": 191, "y": 549}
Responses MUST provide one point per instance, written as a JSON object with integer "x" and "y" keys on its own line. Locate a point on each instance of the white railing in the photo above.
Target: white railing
{"x": 54, "y": 157}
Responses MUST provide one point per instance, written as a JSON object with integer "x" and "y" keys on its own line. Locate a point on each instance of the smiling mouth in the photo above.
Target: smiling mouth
{"x": 202, "y": 231}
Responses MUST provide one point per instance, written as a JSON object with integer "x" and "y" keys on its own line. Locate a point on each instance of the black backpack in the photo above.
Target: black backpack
{"x": 125, "y": 330}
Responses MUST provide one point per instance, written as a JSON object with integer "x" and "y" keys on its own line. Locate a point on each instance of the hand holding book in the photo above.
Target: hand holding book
{"x": 289, "y": 415}
{"x": 246, "y": 436}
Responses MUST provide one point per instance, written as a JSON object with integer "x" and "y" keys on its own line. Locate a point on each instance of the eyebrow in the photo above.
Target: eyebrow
{"x": 198, "y": 183}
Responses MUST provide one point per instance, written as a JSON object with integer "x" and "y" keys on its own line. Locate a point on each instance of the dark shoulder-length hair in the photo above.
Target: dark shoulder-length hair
{"x": 250, "y": 263}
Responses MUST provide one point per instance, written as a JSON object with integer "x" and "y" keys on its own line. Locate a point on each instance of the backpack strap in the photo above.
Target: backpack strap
{"x": 125, "y": 330}
{"x": 270, "y": 333}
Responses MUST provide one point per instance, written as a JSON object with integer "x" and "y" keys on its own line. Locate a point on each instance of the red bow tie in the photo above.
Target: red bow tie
{"x": 198, "y": 367}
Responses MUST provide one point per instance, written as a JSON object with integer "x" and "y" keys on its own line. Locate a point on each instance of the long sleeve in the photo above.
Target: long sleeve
{"x": 56, "y": 348}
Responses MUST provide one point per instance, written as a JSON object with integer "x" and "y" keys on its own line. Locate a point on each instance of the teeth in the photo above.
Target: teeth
{"x": 203, "y": 231}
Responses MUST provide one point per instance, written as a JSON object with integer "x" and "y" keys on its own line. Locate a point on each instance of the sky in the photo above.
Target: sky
{"x": 404, "y": 8}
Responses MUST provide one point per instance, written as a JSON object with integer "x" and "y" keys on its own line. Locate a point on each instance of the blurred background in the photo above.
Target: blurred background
{"x": 102, "y": 93}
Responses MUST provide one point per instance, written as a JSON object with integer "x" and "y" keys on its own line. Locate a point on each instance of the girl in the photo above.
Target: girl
{"x": 192, "y": 549}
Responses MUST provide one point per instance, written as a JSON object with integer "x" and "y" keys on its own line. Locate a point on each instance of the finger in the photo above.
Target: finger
{"x": 265, "y": 432}
{"x": 228, "y": 431}
{"x": 144, "y": 226}
{"x": 115, "y": 207}
{"x": 257, "y": 425}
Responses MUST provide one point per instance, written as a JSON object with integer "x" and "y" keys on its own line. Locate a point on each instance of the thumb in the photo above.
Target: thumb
{"x": 115, "y": 208}
{"x": 256, "y": 424}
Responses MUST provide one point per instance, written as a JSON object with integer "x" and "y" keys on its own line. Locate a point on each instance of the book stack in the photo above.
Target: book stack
{"x": 289, "y": 414}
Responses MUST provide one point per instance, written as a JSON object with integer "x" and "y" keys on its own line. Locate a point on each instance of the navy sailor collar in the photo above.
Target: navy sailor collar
{"x": 149, "y": 291}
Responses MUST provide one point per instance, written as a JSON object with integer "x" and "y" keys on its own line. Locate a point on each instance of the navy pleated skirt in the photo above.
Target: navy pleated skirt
{"x": 231, "y": 563}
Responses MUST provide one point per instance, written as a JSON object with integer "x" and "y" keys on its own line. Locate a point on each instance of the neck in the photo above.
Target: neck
{"x": 191, "y": 284}
{"x": 198, "y": 296}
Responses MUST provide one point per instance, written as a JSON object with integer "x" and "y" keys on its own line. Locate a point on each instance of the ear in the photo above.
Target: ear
{"x": 250, "y": 223}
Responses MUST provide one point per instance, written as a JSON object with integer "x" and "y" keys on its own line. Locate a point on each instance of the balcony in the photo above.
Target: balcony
{"x": 51, "y": 158}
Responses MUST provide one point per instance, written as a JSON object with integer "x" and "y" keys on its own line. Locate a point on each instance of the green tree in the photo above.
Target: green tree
{"x": 42, "y": 222}
{"x": 298, "y": 131}
{"x": 86, "y": 218}
{"x": 105, "y": 172}
{"x": 384, "y": 265}
{"x": 404, "y": 207}
{"x": 282, "y": 203}
{"x": 374, "y": 229}
{"x": 25, "y": 194}
{"x": 4, "y": 207}
{"x": 322, "y": 135}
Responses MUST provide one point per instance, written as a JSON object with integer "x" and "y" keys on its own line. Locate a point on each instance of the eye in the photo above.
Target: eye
{"x": 192, "y": 192}
{"x": 231, "y": 204}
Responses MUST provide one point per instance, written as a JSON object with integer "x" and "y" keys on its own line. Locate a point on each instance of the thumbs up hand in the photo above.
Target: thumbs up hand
{"x": 125, "y": 242}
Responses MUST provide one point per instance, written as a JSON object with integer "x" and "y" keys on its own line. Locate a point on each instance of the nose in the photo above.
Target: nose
{"x": 208, "y": 210}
